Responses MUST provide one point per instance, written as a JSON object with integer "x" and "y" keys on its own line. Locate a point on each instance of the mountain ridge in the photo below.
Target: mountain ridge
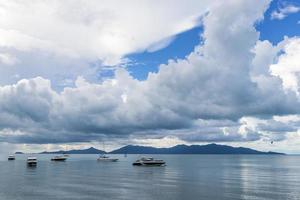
{"x": 178, "y": 149}
{"x": 189, "y": 149}
{"x": 90, "y": 150}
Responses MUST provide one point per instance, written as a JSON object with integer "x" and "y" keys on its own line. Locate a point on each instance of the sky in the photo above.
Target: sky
{"x": 76, "y": 73}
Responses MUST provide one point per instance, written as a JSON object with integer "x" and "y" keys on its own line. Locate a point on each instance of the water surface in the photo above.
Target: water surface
{"x": 185, "y": 177}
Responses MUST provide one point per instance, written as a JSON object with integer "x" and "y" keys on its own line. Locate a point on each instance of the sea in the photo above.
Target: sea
{"x": 185, "y": 177}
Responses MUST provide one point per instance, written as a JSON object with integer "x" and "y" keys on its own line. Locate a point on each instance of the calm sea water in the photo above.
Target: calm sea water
{"x": 184, "y": 177}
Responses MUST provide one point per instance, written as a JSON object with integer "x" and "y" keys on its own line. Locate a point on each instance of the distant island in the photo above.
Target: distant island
{"x": 90, "y": 150}
{"x": 178, "y": 149}
{"x": 186, "y": 149}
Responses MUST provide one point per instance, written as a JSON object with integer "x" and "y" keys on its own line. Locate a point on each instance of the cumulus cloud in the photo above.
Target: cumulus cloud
{"x": 222, "y": 91}
{"x": 288, "y": 65}
{"x": 276, "y": 128}
{"x": 60, "y": 40}
{"x": 105, "y": 30}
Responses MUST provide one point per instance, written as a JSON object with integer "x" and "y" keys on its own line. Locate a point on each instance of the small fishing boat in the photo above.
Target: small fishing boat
{"x": 149, "y": 162}
{"x": 107, "y": 158}
{"x": 11, "y": 157}
{"x": 31, "y": 161}
{"x": 59, "y": 158}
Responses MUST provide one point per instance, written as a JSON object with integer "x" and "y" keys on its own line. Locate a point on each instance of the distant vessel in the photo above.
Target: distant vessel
{"x": 59, "y": 158}
{"x": 149, "y": 162}
{"x": 11, "y": 157}
{"x": 66, "y": 150}
{"x": 107, "y": 158}
{"x": 31, "y": 161}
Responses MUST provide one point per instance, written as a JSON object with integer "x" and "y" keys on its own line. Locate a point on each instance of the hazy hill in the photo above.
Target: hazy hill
{"x": 185, "y": 149}
{"x": 179, "y": 149}
{"x": 90, "y": 150}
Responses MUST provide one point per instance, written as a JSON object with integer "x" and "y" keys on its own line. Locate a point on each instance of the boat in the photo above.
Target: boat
{"x": 149, "y": 162}
{"x": 107, "y": 158}
{"x": 59, "y": 158}
{"x": 11, "y": 157}
{"x": 31, "y": 161}
{"x": 65, "y": 153}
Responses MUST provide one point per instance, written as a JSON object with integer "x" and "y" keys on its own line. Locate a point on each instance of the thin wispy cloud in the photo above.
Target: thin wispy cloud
{"x": 283, "y": 11}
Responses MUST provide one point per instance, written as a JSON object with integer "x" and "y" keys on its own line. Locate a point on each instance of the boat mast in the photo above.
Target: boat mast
{"x": 103, "y": 147}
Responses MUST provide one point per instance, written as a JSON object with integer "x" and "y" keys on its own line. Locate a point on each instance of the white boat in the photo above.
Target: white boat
{"x": 31, "y": 161}
{"x": 11, "y": 157}
{"x": 149, "y": 162}
{"x": 59, "y": 158}
{"x": 107, "y": 158}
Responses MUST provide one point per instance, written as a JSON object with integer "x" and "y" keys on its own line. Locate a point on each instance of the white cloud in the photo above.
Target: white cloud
{"x": 219, "y": 92}
{"x": 288, "y": 65}
{"x": 158, "y": 142}
{"x": 60, "y": 40}
{"x": 106, "y": 30}
{"x": 284, "y": 11}
{"x": 7, "y": 59}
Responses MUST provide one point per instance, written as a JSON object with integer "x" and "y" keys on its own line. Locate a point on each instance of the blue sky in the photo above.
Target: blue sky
{"x": 181, "y": 46}
{"x": 184, "y": 43}
{"x": 275, "y": 30}
{"x": 142, "y": 63}
{"x": 77, "y": 74}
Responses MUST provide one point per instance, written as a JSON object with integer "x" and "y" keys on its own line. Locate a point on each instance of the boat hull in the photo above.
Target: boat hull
{"x": 31, "y": 161}
{"x": 143, "y": 163}
{"x": 108, "y": 159}
{"x": 59, "y": 159}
